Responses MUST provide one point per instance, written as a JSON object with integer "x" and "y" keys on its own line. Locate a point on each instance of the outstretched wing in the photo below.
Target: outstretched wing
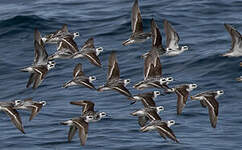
{"x": 35, "y": 110}
{"x": 64, "y": 28}
{"x": 182, "y": 96}
{"x": 147, "y": 66}
{"x": 136, "y": 19}
{"x": 87, "y": 105}
{"x": 71, "y": 132}
{"x": 68, "y": 44}
{"x": 89, "y": 44}
{"x": 148, "y": 101}
{"x": 156, "y": 36}
{"x": 165, "y": 130}
{"x": 93, "y": 58}
{"x": 41, "y": 56}
{"x": 236, "y": 37}
{"x": 15, "y": 118}
{"x": 172, "y": 37}
{"x": 83, "y": 129}
{"x": 113, "y": 68}
{"x": 153, "y": 115}
{"x": 158, "y": 68}
{"x": 213, "y": 110}
{"x": 78, "y": 71}
{"x": 122, "y": 90}
{"x": 39, "y": 75}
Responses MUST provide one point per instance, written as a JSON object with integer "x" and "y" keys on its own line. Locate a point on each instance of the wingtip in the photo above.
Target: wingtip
{"x": 178, "y": 113}
{"x": 36, "y": 30}
{"x": 23, "y": 70}
{"x": 30, "y": 118}
{"x": 51, "y": 57}
{"x": 62, "y": 123}
{"x": 91, "y": 39}
{"x": 37, "y": 36}
{"x": 99, "y": 65}
{"x": 165, "y": 21}
{"x": 131, "y": 98}
{"x": 99, "y": 89}
{"x": 73, "y": 103}
{"x": 65, "y": 85}
{"x": 22, "y": 130}
{"x": 152, "y": 21}
{"x": 135, "y": 2}
{"x": 132, "y": 102}
{"x": 126, "y": 43}
{"x": 213, "y": 124}
{"x": 34, "y": 87}
{"x": 78, "y": 102}
{"x": 238, "y": 79}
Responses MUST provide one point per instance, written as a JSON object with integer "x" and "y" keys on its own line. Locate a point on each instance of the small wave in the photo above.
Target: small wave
{"x": 24, "y": 21}
{"x": 23, "y": 24}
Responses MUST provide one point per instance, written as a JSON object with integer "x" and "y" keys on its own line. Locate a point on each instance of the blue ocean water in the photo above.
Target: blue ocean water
{"x": 200, "y": 26}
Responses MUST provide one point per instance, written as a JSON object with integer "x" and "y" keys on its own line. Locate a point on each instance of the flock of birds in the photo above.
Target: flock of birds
{"x": 148, "y": 117}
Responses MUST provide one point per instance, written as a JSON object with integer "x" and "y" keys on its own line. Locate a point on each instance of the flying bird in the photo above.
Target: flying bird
{"x": 236, "y": 47}
{"x": 172, "y": 40}
{"x": 41, "y": 63}
{"x": 79, "y": 78}
{"x": 138, "y": 35}
{"x": 182, "y": 92}
{"x": 88, "y": 110}
{"x": 113, "y": 78}
{"x": 208, "y": 99}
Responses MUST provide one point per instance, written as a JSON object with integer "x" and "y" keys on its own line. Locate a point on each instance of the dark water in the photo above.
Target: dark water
{"x": 200, "y": 26}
